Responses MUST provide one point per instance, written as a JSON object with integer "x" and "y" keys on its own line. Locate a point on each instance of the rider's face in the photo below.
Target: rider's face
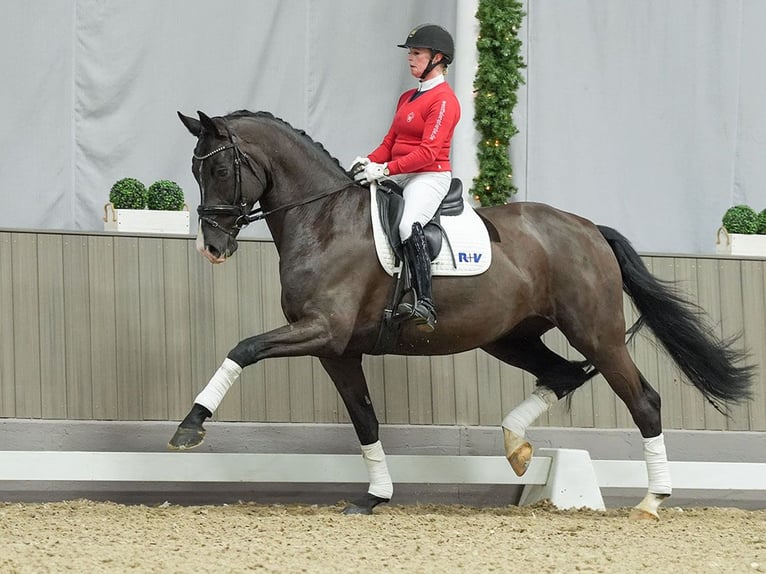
{"x": 418, "y": 59}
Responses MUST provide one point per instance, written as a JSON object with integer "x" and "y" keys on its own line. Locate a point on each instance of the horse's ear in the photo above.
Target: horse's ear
{"x": 194, "y": 126}
{"x": 209, "y": 125}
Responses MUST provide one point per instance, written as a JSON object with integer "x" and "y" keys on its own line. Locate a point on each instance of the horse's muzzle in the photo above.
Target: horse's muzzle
{"x": 212, "y": 253}
{"x": 207, "y": 254}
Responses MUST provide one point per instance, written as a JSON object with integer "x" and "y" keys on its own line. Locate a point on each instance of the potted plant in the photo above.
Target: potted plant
{"x": 743, "y": 232}
{"x": 761, "y": 223}
{"x": 128, "y": 193}
{"x": 133, "y": 208}
{"x": 165, "y": 195}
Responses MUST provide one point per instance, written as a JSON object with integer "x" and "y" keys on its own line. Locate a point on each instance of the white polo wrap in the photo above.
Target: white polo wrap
{"x": 211, "y": 396}
{"x": 380, "y": 480}
{"x": 529, "y": 410}
{"x": 657, "y": 467}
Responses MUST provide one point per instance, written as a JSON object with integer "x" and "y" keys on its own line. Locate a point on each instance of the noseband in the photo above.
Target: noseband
{"x": 239, "y": 208}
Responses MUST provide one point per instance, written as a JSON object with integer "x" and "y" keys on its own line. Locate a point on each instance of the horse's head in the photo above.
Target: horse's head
{"x": 228, "y": 191}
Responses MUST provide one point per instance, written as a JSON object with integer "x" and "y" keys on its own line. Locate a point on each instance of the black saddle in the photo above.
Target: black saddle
{"x": 391, "y": 206}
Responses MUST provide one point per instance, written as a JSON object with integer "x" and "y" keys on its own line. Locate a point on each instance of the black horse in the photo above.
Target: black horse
{"x": 549, "y": 269}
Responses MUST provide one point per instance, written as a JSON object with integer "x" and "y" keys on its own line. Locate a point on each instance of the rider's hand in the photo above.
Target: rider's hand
{"x": 359, "y": 160}
{"x": 357, "y": 168}
{"x": 374, "y": 171}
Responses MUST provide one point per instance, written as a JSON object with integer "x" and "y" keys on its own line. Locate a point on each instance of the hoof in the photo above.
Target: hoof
{"x": 354, "y": 509}
{"x": 364, "y": 505}
{"x": 520, "y": 458}
{"x": 641, "y": 514}
{"x": 186, "y": 438}
{"x": 518, "y": 451}
{"x": 647, "y": 508}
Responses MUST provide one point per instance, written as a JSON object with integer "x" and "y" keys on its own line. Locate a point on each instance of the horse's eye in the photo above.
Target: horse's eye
{"x": 221, "y": 172}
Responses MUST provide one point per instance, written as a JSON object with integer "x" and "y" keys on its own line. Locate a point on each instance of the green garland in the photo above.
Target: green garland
{"x": 497, "y": 80}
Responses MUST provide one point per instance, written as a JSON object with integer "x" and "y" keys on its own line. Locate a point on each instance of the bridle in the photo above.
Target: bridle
{"x": 239, "y": 208}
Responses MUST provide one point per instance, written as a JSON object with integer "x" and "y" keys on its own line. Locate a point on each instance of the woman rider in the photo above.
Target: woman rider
{"x": 415, "y": 154}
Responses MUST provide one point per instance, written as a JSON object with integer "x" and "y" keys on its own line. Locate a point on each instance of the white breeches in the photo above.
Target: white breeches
{"x": 423, "y": 192}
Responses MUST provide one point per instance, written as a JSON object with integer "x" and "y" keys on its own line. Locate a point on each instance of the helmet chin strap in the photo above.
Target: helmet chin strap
{"x": 431, "y": 65}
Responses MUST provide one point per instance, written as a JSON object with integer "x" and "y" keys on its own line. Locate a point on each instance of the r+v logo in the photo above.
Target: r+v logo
{"x": 468, "y": 257}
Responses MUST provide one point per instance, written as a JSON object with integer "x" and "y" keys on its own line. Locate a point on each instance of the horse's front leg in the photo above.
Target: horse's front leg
{"x": 348, "y": 376}
{"x": 304, "y": 337}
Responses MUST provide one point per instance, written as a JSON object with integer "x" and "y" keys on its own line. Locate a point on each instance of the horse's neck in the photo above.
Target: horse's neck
{"x": 327, "y": 223}
{"x": 299, "y": 171}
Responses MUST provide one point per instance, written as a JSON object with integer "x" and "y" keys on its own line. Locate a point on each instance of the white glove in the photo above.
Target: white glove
{"x": 360, "y": 160}
{"x": 357, "y": 168}
{"x": 374, "y": 171}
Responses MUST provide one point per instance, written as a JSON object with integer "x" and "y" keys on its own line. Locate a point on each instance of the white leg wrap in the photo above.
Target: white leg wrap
{"x": 380, "y": 480}
{"x": 657, "y": 465}
{"x": 529, "y": 410}
{"x": 212, "y": 395}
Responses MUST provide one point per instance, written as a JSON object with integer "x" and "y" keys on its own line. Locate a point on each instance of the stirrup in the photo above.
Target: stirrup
{"x": 420, "y": 314}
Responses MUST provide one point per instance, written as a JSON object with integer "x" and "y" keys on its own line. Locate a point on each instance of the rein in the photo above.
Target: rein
{"x": 239, "y": 208}
{"x": 257, "y": 213}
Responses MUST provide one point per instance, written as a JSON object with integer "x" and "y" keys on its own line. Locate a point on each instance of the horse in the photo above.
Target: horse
{"x": 550, "y": 269}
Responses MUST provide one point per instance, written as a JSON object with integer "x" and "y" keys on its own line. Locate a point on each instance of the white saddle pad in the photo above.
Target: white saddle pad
{"x": 467, "y": 235}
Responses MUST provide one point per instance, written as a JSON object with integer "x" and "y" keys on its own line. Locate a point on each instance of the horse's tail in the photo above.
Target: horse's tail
{"x": 712, "y": 365}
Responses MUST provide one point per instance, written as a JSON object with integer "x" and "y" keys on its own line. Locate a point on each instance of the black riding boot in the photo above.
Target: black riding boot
{"x": 423, "y": 312}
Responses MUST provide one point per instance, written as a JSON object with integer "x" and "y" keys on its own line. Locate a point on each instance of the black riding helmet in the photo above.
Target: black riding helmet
{"x": 434, "y": 38}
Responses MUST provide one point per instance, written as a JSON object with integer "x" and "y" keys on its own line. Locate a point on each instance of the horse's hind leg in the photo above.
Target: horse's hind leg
{"x": 644, "y": 405}
{"x": 557, "y": 377}
{"x": 348, "y": 376}
{"x": 552, "y": 372}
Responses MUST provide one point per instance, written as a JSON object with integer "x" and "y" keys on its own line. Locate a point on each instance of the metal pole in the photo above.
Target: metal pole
{"x": 465, "y": 139}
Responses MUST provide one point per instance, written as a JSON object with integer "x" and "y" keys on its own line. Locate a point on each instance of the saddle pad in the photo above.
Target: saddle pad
{"x": 467, "y": 235}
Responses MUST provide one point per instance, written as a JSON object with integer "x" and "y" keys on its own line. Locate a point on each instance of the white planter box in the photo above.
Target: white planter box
{"x": 739, "y": 244}
{"x": 146, "y": 220}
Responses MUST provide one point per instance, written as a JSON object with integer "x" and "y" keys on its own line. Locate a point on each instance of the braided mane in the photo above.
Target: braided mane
{"x": 303, "y": 135}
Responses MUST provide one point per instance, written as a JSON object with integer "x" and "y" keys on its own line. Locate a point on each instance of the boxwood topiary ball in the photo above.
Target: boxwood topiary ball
{"x": 741, "y": 219}
{"x": 128, "y": 193}
{"x": 165, "y": 195}
{"x": 761, "y": 223}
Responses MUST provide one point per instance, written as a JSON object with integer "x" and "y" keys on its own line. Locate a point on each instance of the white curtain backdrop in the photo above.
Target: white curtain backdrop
{"x": 645, "y": 116}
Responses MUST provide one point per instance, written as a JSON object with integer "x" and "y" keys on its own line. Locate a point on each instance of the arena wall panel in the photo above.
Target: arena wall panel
{"x": 129, "y": 328}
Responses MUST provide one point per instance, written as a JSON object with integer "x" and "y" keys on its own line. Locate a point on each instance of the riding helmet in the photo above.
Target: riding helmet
{"x": 432, "y": 37}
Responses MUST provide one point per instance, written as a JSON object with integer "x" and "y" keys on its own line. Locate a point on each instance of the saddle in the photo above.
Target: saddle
{"x": 391, "y": 206}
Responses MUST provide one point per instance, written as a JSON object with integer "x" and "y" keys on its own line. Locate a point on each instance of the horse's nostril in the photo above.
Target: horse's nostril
{"x": 213, "y": 251}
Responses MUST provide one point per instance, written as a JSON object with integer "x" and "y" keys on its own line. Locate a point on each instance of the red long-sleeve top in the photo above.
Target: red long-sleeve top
{"x": 420, "y": 135}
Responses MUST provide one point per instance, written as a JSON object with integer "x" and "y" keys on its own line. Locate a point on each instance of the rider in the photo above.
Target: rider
{"x": 415, "y": 154}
